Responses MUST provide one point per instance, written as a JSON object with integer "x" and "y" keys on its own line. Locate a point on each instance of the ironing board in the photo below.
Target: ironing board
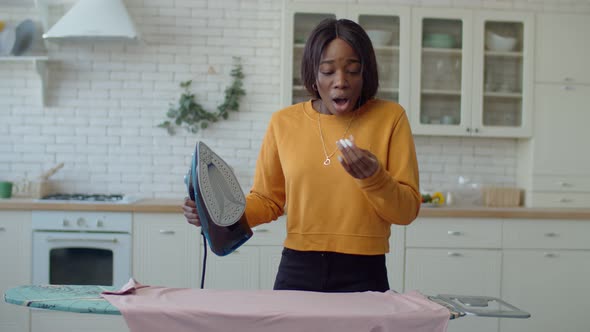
{"x": 68, "y": 298}
{"x": 87, "y": 299}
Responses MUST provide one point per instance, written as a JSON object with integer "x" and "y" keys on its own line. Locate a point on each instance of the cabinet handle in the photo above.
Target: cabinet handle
{"x": 166, "y": 231}
{"x": 565, "y": 184}
{"x": 81, "y": 239}
{"x": 550, "y": 255}
{"x": 454, "y": 254}
{"x": 568, "y": 88}
{"x": 568, "y": 79}
{"x": 476, "y": 130}
{"x": 468, "y": 129}
{"x": 566, "y": 200}
{"x": 262, "y": 230}
{"x": 551, "y": 234}
{"x": 455, "y": 233}
{"x": 2, "y": 229}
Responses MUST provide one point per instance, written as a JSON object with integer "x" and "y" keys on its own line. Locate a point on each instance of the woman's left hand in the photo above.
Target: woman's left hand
{"x": 359, "y": 163}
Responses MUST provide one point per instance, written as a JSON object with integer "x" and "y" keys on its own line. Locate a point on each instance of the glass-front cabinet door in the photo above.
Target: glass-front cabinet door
{"x": 299, "y": 22}
{"x": 502, "y": 83}
{"x": 441, "y": 71}
{"x": 471, "y": 73}
{"x": 388, "y": 28}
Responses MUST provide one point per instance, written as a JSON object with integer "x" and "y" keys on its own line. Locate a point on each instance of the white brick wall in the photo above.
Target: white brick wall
{"x": 106, "y": 98}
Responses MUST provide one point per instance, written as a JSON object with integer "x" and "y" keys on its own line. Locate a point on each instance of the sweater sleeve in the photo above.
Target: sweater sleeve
{"x": 393, "y": 191}
{"x": 266, "y": 199}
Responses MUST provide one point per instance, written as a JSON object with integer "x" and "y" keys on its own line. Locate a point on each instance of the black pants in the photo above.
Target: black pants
{"x": 331, "y": 272}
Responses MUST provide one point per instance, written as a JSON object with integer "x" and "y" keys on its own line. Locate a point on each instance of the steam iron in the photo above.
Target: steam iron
{"x": 213, "y": 186}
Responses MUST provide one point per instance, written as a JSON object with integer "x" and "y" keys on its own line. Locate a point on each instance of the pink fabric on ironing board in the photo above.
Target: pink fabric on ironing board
{"x": 197, "y": 310}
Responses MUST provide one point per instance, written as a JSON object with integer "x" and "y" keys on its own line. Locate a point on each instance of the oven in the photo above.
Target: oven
{"x": 81, "y": 247}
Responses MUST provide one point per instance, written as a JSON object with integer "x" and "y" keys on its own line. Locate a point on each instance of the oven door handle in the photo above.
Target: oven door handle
{"x": 61, "y": 239}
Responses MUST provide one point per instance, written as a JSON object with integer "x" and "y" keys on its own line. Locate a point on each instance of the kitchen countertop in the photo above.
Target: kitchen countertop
{"x": 169, "y": 205}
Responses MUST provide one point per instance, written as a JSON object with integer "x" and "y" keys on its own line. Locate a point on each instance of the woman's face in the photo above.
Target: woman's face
{"x": 339, "y": 78}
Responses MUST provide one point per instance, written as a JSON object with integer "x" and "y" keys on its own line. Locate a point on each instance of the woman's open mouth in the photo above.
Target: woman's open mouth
{"x": 340, "y": 104}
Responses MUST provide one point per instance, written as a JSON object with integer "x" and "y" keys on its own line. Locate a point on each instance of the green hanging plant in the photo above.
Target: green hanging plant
{"x": 188, "y": 113}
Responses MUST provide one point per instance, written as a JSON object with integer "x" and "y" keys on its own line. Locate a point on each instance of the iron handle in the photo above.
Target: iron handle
{"x": 167, "y": 231}
{"x": 60, "y": 239}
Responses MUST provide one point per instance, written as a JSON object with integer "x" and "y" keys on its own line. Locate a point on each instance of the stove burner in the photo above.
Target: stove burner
{"x": 85, "y": 197}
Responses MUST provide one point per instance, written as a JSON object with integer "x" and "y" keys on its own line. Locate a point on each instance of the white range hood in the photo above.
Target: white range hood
{"x": 94, "y": 19}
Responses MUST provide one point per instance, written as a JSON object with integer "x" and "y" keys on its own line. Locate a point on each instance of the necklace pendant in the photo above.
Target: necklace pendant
{"x": 327, "y": 162}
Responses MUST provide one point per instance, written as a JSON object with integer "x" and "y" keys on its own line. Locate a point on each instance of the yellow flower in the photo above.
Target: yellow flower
{"x": 438, "y": 198}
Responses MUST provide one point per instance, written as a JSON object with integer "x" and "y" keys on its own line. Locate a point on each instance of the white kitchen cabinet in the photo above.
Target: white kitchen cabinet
{"x": 392, "y": 52}
{"x": 238, "y": 270}
{"x": 396, "y": 258}
{"x": 254, "y": 265}
{"x": 56, "y": 321}
{"x": 165, "y": 250}
{"x": 563, "y": 48}
{"x": 456, "y": 271}
{"x": 561, "y": 129}
{"x": 545, "y": 270}
{"x": 460, "y": 85}
{"x": 560, "y": 167}
{"x": 455, "y": 256}
{"x": 249, "y": 267}
{"x": 15, "y": 262}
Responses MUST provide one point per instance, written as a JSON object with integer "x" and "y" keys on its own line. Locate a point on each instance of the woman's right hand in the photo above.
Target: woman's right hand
{"x": 190, "y": 212}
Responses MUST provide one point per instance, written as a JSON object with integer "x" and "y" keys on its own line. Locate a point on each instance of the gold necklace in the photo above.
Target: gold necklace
{"x": 328, "y": 156}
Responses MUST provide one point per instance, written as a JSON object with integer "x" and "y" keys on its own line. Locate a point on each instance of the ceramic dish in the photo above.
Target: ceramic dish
{"x": 380, "y": 37}
{"x": 496, "y": 42}
{"x": 25, "y": 32}
{"x": 439, "y": 40}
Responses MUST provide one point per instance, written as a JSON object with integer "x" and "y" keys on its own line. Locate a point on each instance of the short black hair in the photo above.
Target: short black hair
{"x": 352, "y": 33}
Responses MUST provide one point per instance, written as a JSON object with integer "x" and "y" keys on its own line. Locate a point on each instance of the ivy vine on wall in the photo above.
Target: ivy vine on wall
{"x": 189, "y": 114}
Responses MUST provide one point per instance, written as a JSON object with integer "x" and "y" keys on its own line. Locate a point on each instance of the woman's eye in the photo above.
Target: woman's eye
{"x": 326, "y": 72}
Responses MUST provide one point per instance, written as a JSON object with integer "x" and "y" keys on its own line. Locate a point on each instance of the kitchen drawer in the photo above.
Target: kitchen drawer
{"x": 454, "y": 233}
{"x": 560, "y": 200}
{"x": 269, "y": 234}
{"x": 549, "y": 234}
{"x": 561, "y": 183}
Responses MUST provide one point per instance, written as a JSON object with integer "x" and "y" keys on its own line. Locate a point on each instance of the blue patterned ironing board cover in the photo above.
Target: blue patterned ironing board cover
{"x": 68, "y": 298}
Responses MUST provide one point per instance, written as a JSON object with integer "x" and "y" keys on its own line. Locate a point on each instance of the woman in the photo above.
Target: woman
{"x": 339, "y": 212}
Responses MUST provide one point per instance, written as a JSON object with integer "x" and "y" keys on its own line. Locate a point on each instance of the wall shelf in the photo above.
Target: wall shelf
{"x": 40, "y": 63}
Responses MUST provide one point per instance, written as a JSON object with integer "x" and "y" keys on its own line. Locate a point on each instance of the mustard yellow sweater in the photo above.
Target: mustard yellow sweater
{"x": 327, "y": 209}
